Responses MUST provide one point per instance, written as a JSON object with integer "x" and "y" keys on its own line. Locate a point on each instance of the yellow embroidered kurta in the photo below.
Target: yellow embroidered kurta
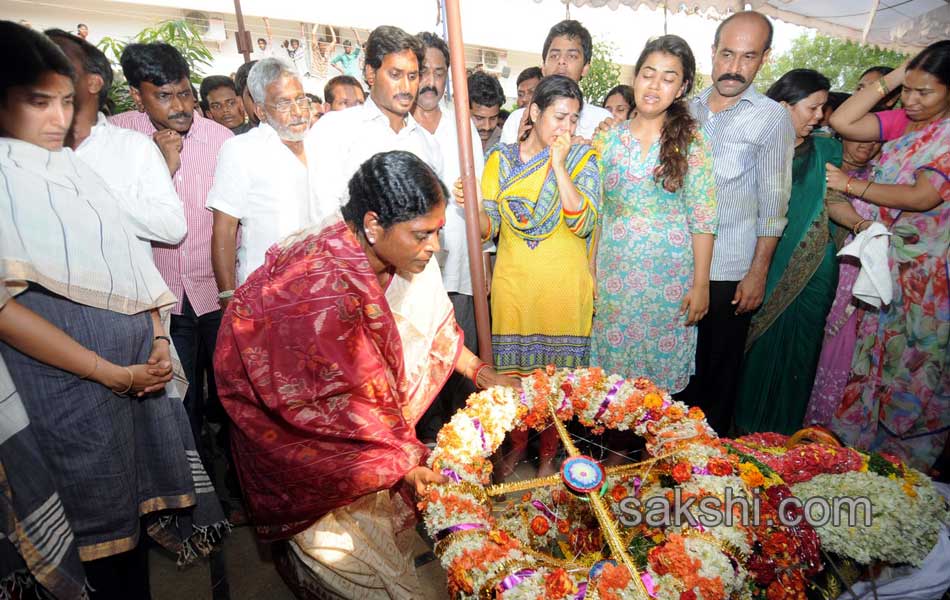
{"x": 542, "y": 294}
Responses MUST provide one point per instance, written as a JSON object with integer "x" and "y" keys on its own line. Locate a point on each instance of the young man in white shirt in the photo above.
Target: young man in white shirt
{"x": 567, "y": 51}
{"x": 129, "y": 162}
{"x": 439, "y": 120}
{"x": 222, "y": 104}
{"x": 262, "y": 180}
{"x": 342, "y": 140}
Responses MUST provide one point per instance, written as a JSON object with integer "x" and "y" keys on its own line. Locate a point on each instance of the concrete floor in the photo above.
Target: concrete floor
{"x": 251, "y": 574}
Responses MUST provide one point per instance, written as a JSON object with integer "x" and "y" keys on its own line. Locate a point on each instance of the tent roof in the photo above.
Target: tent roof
{"x": 895, "y": 23}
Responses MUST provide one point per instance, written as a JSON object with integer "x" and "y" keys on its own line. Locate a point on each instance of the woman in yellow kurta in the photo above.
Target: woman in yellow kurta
{"x": 540, "y": 202}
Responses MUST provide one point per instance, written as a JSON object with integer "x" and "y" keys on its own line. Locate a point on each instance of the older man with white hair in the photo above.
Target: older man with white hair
{"x": 263, "y": 178}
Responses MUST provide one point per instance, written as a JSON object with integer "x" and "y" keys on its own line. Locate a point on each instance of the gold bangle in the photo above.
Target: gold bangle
{"x": 95, "y": 367}
{"x": 131, "y": 382}
{"x": 854, "y": 229}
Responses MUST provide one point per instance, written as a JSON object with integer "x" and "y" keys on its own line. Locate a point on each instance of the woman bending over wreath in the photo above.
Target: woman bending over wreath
{"x": 327, "y": 357}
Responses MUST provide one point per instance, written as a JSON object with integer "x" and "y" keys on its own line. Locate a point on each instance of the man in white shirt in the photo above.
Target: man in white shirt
{"x": 567, "y": 51}
{"x": 129, "y": 162}
{"x": 262, "y": 180}
{"x": 342, "y": 140}
{"x": 456, "y": 275}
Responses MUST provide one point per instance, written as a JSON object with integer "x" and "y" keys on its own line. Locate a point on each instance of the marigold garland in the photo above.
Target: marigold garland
{"x": 545, "y": 543}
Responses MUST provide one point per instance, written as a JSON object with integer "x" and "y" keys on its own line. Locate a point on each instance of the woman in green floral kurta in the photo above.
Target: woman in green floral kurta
{"x": 649, "y": 287}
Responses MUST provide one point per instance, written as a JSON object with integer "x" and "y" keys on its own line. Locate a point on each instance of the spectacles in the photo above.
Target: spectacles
{"x": 284, "y": 106}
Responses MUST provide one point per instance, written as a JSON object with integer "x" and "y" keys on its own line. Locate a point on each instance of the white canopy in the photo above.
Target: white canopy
{"x": 903, "y": 24}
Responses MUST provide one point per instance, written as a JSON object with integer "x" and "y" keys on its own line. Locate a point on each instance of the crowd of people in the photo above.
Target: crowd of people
{"x": 303, "y": 264}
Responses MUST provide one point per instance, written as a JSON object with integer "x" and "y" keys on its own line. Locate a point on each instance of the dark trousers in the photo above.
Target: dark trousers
{"x": 120, "y": 577}
{"x": 719, "y": 353}
{"x": 194, "y": 339}
{"x": 458, "y": 387}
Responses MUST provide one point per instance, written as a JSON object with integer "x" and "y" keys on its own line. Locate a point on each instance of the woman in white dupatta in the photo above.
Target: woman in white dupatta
{"x": 82, "y": 338}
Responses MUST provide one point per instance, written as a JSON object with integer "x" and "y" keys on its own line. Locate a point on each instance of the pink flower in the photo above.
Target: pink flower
{"x": 637, "y": 281}
{"x": 667, "y": 343}
{"x": 676, "y": 237}
{"x": 673, "y": 292}
{"x": 617, "y": 232}
{"x": 614, "y": 284}
{"x": 636, "y": 332}
{"x": 614, "y": 337}
{"x": 638, "y": 225}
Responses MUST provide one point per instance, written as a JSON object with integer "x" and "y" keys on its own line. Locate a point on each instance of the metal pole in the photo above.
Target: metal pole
{"x": 867, "y": 27}
{"x": 244, "y": 39}
{"x": 467, "y": 168}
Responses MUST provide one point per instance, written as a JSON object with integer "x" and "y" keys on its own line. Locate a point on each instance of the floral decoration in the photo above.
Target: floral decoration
{"x": 547, "y": 543}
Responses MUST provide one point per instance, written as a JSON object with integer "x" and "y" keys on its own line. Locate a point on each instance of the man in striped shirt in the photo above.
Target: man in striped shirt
{"x": 753, "y": 143}
{"x": 158, "y": 79}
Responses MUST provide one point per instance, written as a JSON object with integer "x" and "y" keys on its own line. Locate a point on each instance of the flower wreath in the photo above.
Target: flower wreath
{"x": 546, "y": 538}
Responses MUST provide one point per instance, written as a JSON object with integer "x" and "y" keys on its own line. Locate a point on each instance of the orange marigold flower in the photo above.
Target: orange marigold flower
{"x": 460, "y": 580}
{"x": 558, "y": 584}
{"x": 499, "y": 537}
{"x": 614, "y": 577}
{"x": 776, "y": 544}
{"x": 563, "y": 526}
{"x": 653, "y": 400}
{"x": 751, "y": 475}
{"x": 674, "y": 412}
{"x": 618, "y": 493}
{"x": 719, "y": 467}
{"x": 696, "y": 413}
{"x": 682, "y": 472}
{"x": 540, "y": 525}
{"x": 711, "y": 589}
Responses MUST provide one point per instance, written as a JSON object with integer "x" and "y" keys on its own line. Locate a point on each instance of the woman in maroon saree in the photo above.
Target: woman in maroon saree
{"x": 327, "y": 357}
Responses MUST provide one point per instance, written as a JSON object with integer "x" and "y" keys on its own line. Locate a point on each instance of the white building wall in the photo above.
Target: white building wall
{"x": 122, "y": 19}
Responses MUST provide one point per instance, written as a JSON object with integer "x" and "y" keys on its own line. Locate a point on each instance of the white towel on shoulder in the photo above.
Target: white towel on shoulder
{"x": 873, "y": 285}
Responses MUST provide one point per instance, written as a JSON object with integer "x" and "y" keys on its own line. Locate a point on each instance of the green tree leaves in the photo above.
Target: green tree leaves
{"x": 178, "y": 33}
{"x": 604, "y": 74}
{"x": 840, "y": 61}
